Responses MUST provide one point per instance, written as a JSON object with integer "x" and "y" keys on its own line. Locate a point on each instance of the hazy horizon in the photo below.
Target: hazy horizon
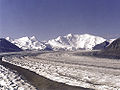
{"x": 47, "y": 19}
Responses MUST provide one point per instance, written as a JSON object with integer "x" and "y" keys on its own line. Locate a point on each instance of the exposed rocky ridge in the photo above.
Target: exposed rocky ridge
{"x": 101, "y": 45}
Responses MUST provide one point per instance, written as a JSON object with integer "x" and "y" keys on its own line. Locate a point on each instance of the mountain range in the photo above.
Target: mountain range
{"x": 67, "y": 42}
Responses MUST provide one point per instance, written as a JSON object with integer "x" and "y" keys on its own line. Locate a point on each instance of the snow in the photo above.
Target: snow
{"x": 89, "y": 72}
{"x": 71, "y": 42}
{"x": 68, "y": 42}
{"x": 27, "y": 43}
{"x": 110, "y": 41}
{"x": 11, "y": 81}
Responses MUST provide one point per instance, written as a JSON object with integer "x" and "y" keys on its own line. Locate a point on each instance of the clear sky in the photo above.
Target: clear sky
{"x": 47, "y": 19}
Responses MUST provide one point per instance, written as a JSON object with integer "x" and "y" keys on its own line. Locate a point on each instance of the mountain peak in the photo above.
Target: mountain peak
{"x": 70, "y": 35}
{"x": 23, "y": 38}
{"x": 33, "y": 37}
{"x": 28, "y": 43}
{"x": 9, "y": 39}
{"x": 76, "y": 41}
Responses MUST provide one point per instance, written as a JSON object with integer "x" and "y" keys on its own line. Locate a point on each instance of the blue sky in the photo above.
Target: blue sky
{"x": 48, "y": 19}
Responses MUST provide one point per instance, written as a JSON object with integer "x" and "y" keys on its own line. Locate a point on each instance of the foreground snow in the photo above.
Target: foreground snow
{"x": 11, "y": 81}
{"x": 96, "y": 73}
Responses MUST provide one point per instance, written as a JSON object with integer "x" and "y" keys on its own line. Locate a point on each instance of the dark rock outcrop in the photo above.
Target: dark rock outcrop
{"x": 111, "y": 51}
{"x": 101, "y": 46}
{"x": 6, "y": 46}
{"x": 114, "y": 46}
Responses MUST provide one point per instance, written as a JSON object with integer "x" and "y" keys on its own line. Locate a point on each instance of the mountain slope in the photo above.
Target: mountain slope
{"x": 111, "y": 51}
{"x": 28, "y": 43}
{"x": 114, "y": 46}
{"x": 6, "y": 46}
{"x": 74, "y": 42}
{"x": 103, "y": 45}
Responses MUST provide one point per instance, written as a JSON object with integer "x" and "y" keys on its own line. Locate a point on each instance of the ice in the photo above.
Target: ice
{"x": 89, "y": 72}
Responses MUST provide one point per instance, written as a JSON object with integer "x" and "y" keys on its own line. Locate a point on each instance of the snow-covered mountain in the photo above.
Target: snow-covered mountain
{"x": 68, "y": 42}
{"x": 27, "y": 43}
{"x": 74, "y": 42}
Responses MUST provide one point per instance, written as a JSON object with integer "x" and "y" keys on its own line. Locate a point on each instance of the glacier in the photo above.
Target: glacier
{"x": 65, "y": 67}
